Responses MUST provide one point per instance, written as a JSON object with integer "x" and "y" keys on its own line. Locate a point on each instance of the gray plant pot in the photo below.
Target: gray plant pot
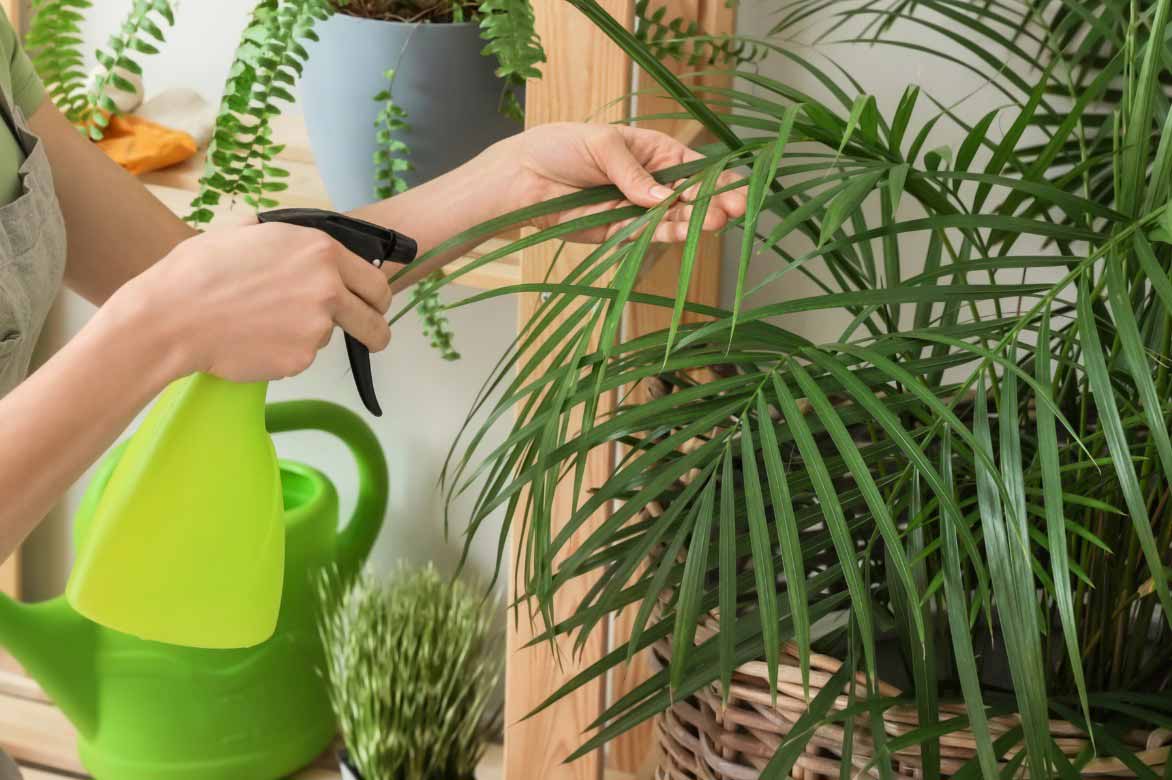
{"x": 445, "y": 84}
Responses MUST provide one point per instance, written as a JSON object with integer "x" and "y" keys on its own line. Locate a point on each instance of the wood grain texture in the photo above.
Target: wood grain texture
{"x": 585, "y": 73}
{"x": 632, "y": 751}
{"x": 10, "y": 576}
{"x": 35, "y": 732}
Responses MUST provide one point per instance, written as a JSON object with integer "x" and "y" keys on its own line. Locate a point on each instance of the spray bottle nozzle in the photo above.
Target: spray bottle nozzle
{"x": 374, "y": 244}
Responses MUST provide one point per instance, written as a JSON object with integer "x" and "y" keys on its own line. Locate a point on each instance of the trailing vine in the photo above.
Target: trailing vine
{"x": 53, "y": 42}
{"x": 139, "y": 33}
{"x": 683, "y": 41}
{"x": 436, "y": 326}
{"x": 511, "y": 32}
{"x": 268, "y": 61}
{"x": 390, "y": 162}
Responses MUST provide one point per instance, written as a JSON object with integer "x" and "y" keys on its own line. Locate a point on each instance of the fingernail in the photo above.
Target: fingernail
{"x": 659, "y": 192}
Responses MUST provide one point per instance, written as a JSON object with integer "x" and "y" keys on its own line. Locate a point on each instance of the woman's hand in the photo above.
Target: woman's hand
{"x": 558, "y": 159}
{"x": 257, "y": 302}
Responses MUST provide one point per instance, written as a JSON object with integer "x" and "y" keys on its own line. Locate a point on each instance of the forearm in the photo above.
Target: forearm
{"x": 65, "y": 415}
{"x": 482, "y": 189}
{"x": 115, "y": 227}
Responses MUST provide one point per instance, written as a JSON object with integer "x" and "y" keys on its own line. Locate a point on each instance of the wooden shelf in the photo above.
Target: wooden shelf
{"x": 39, "y": 737}
{"x": 43, "y": 742}
{"x": 177, "y": 185}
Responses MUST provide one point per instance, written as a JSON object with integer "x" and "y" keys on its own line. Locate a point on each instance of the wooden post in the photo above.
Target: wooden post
{"x": 585, "y": 72}
{"x": 631, "y": 751}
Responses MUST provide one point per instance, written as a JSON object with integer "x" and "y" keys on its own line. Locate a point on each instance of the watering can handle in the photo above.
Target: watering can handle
{"x": 357, "y": 537}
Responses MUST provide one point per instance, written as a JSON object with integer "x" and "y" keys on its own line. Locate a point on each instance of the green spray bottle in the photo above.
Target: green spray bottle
{"x": 187, "y": 542}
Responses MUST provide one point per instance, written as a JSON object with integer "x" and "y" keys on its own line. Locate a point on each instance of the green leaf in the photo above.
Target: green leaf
{"x": 762, "y": 547}
{"x": 787, "y": 537}
{"x": 727, "y": 574}
{"x": 846, "y": 202}
{"x": 688, "y": 602}
{"x": 895, "y": 183}
{"x": 1104, "y": 398}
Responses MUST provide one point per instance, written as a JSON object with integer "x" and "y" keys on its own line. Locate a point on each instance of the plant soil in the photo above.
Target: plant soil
{"x": 410, "y": 11}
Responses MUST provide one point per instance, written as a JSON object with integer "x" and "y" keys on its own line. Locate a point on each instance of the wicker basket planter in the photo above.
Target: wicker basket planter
{"x": 700, "y": 739}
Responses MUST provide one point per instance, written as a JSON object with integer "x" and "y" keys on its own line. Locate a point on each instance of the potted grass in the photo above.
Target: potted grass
{"x": 412, "y": 663}
{"x": 938, "y": 544}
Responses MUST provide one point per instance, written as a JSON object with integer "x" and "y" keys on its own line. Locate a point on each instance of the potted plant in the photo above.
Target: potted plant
{"x": 412, "y": 663}
{"x": 414, "y": 70}
{"x": 939, "y": 543}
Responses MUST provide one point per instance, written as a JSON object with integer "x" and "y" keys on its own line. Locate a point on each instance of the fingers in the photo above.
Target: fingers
{"x": 632, "y": 151}
{"x": 626, "y": 171}
{"x": 733, "y": 201}
{"x": 355, "y": 316}
{"x": 365, "y": 281}
{"x": 361, "y": 305}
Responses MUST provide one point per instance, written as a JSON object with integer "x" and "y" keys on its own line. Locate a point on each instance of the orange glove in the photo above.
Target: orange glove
{"x": 141, "y": 146}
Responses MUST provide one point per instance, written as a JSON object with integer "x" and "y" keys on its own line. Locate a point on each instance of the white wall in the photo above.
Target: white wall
{"x": 424, "y": 398}
{"x": 883, "y": 71}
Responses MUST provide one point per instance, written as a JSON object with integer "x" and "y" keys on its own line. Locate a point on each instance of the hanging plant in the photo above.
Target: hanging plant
{"x": 53, "y": 42}
{"x": 241, "y": 158}
{"x": 683, "y": 40}
{"x": 140, "y": 33}
{"x": 391, "y": 162}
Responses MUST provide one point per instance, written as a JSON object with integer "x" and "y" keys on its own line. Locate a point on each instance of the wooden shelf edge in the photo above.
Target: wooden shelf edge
{"x": 35, "y": 733}
{"x": 177, "y": 186}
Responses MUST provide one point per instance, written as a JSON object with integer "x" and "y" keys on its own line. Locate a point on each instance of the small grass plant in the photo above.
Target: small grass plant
{"x": 412, "y": 661}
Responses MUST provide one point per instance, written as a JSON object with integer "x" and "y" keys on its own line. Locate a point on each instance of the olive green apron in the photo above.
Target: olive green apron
{"x": 32, "y": 253}
{"x": 32, "y": 262}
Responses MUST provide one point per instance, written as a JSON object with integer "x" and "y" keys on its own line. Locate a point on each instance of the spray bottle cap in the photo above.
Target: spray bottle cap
{"x": 374, "y": 244}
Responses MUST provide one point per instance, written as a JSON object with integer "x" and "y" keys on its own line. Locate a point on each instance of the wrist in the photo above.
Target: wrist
{"x": 148, "y": 334}
{"x": 506, "y": 163}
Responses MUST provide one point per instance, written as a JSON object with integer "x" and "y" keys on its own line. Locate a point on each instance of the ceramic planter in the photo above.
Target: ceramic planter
{"x": 447, "y": 87}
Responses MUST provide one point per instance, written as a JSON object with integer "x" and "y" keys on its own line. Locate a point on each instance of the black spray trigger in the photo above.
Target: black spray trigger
{"x": 375, "y": 245}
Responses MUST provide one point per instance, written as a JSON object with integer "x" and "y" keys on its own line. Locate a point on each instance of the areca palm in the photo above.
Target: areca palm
{"x": 982, "y": 453}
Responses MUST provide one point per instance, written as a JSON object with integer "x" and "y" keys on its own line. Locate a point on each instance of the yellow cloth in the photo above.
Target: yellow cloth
{"x": 141, "y": 146}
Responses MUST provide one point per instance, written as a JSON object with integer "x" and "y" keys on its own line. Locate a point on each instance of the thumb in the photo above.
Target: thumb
{"x": 628, "y": 174}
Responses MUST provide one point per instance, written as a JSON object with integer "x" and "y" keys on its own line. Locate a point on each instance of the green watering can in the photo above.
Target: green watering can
{"x": 151, "y": 711}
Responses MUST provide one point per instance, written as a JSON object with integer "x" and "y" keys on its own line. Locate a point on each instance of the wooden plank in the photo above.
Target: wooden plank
{"x": 630, "y": 751}
{"x": 37, "y": 734}
{"x": 21, "y": 686}
{"x": 34, "y": 732}
{"x": 10, "y": 576}
{"x": 34, "y": 773}
{"x": 585, "y": 72}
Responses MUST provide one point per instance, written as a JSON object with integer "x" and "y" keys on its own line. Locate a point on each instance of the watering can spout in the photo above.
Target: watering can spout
{"x": 57, "y": 647}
